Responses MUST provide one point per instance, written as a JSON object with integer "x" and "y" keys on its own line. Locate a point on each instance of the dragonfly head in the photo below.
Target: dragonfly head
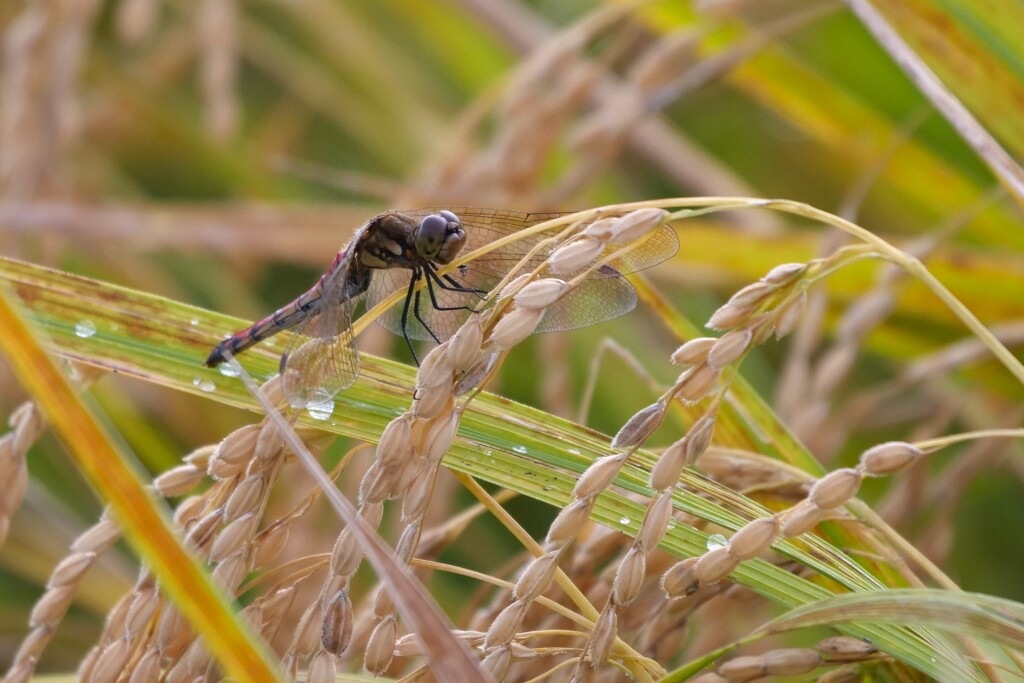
{"x": 439, "y": 237}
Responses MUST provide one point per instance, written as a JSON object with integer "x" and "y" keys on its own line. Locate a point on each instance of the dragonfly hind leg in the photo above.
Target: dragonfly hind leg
{"x": 419, "y": 318}
{"x": 412, "y": 299}
{"x": 409, "y": 294}
{"x": 413, "y": 295}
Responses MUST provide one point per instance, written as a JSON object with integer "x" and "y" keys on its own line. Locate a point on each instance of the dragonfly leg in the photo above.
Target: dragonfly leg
{"x": 405, "y": 314}
{"x": 416, "y": 310}
{"x": 459, "y": 288}
{"x": 434, "y": 278}
{"x": 449, "y": 283}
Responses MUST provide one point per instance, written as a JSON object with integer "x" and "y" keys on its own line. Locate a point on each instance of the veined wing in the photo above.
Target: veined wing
{"x": 604, "y": 297}
{"x": 484, "y": 226}
{"x": 321, "y": 358}
{"x": 593, "y": 301}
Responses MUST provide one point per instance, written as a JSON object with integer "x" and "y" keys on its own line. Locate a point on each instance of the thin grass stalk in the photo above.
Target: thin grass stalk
{"x": 134, "y": 506}
{"x": 1002, "y": 165}
{"x": 447, "y": 655}
{"x": 26, "y": 423}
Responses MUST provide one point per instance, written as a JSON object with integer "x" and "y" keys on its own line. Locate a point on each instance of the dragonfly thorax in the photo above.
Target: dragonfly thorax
{"x": 387, "y": 242}
{"x": 395, "y": 240}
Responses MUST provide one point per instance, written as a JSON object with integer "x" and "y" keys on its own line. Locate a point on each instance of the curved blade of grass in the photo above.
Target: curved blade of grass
{"x": 975, "y": 48}
{"x": 974, "y": 615}
{"x": 817, "y": 98}
{"x": 500, "y": 441}
{"x": 983, "y": 616}
{"x": 984, "y": 144}
{"x": 145, "y": 522}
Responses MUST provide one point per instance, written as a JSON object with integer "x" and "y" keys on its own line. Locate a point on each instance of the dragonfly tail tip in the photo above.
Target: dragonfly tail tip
{"x": 215, "y": 358}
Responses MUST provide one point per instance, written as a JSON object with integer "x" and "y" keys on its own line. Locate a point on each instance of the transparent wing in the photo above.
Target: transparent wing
{"x": 321, "y": 358}
{"x": 441, "y": 310}
{"x": 484, "y": 226}
{"x": 594, "y": 301}
{"x": 585, "y": 306}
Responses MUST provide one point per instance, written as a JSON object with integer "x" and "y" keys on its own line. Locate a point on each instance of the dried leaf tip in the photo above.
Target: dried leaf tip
{"x": 336, "y": 632}
{"x": 636, "y": 224}
{"x": 598, "y": 476}
{"x": 730, "y": 347}
{"x": 640, "y": 426}
{"x": 889, "y": 458}
{"x": 694, "y": 351}
{"x": 575, "y": 255}
{"x": 729, "y": 316}
{"x": 542, "y": 293}
{"x": 784, "y": 274}
{"x": 515, "y": 326}
{"x": 601, "y": 229}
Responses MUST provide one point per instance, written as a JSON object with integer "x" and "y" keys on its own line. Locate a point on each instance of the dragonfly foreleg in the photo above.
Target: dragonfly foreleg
{"x": 447, "y": 282}
{"x": 433, "y": 278}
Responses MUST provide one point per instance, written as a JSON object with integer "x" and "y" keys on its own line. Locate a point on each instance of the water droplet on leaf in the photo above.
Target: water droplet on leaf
{"x": 320, "y": 405}
{"x": 227, "y": 370}
{"x": 204, "y": 385}
{"x": 85, "y": 329}
{"x": 717, "y": 541}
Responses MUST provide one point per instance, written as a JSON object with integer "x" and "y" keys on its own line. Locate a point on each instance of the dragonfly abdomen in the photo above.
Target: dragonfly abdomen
{"x": 281, "y": 319}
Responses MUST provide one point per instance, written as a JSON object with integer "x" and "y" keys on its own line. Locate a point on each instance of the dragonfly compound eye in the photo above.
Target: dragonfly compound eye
{"x": 454, "y": 239}
{"x": 430, "y": 235}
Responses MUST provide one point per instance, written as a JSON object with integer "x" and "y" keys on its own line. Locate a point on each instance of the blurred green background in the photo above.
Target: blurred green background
{"x": 220, "y": 152}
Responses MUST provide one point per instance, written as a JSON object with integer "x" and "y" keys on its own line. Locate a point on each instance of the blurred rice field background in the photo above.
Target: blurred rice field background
{"x": 212, "y": 156}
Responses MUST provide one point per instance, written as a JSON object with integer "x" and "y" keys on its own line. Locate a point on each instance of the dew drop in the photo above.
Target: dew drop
{"x": 204, "y": 385}
{"x": 72, "y": 372}
{"x": 321, "y": 411}
{"x": 717, "y": 541}
{"x": 320, "y": 405}
{"x": 624, "y": 521}
{"x": 85, "y": 329}
{"x": 574, "y": 451}
{"x": 227, "y": 370}
{"x": 519, "y": 449}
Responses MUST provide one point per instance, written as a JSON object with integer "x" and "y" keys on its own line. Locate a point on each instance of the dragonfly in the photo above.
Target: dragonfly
{"x": 405, "y": 250}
